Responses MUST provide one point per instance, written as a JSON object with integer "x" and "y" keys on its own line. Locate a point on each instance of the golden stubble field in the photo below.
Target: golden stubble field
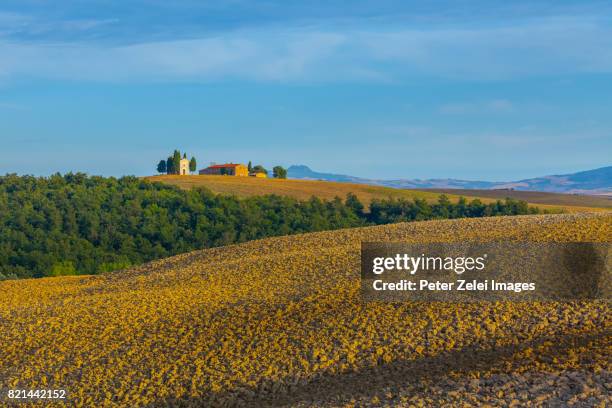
{"x": 279, "y": 322}
{"x": 300, "y": 189}
{"x": 304, "y": 189}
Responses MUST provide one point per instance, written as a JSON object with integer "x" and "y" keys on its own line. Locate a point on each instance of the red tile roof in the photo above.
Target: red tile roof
{"x": 219, "y": 166}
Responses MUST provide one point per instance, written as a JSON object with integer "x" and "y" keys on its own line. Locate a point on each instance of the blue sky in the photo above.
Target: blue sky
{"x": 384, "y": 89}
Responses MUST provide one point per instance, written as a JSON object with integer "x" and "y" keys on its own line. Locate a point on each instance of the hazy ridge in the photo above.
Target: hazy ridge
{"x": 596, "y": 181}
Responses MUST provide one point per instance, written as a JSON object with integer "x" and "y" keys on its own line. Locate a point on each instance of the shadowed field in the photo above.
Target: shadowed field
{"x": 304, "y": 189}
{"x": 535, "y": 197}
{"x": 280, "y": 322}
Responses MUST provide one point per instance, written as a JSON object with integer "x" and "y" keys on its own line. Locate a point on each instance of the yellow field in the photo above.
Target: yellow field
{"x": 279, "y": 322}
{"x": 304, "y": 189}
{"x": 300, "y": 189}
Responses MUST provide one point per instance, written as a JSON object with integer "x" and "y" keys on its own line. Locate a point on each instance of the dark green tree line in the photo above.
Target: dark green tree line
{"x": 77, "y": 224}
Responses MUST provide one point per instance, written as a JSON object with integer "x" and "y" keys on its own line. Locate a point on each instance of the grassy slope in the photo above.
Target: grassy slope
{"x": 304, "y": 189}
{"x": 301, "y": 189}
{"x": 280, "y": 321}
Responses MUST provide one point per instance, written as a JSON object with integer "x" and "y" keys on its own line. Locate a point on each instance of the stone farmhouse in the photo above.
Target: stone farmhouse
{"x": 230, "y": 169}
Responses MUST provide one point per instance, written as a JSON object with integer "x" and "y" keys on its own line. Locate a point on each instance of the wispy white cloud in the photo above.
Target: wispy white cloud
{"x": 284, "y": 56}
{"x": 9, "y": 19}
{"x": 11, "y": 106}
{"x": 66, "y": 28}
{"x": 491, "y": 106}
{"x": 12, "y": 24}
{"x": 537, "y": 47}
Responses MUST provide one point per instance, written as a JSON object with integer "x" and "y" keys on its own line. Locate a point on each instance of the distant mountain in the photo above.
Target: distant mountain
{"x": 304, "y": 172}
{"x": 598, "y": 181}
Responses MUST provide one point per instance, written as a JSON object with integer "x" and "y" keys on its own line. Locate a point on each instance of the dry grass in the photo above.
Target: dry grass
{"x": 300, "y": 189}
{"x": 304, "y": 189}
{"x": 280, "y": 322}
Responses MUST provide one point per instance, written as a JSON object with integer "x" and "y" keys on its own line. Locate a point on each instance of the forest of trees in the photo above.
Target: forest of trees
{"x": 401, "y": 210}
{"x": 77, "y": 224}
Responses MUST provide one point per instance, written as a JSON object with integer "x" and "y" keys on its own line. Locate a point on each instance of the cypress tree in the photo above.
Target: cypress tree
{"x": 161, "y": 166}
{"x": 176, "y": 158}
{"x": 170, "y": 165}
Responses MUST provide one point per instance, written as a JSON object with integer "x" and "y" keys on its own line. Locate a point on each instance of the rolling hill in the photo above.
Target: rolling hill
{"x": 304, "y": 189}
{"x": 300, "y": 189}
{"x": 534, "y": 197}
{"x": 280, "y": 322}
{"x": 597, "y": 181}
